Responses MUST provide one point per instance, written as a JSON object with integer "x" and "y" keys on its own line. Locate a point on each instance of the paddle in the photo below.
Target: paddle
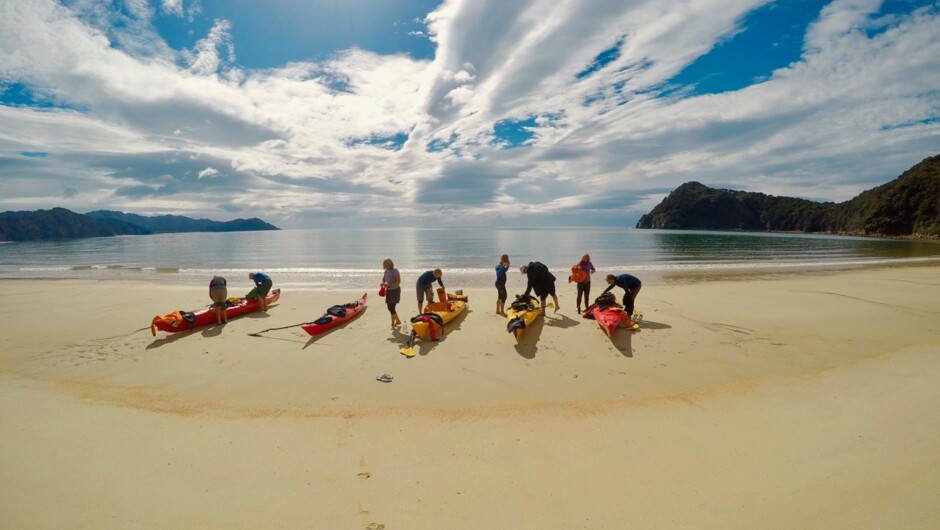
{"x": 408, "y": 349}
{"x": 258, "y": 333}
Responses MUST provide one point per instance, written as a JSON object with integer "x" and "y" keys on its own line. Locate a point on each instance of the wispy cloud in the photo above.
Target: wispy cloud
{"x": 602, "y": 132}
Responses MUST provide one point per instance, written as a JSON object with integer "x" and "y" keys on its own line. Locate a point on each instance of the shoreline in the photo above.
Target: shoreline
{"x": 790, "y": 400}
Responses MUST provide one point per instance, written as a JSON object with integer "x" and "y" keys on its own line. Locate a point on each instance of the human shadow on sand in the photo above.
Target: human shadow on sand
{"x": 560, "y": 321}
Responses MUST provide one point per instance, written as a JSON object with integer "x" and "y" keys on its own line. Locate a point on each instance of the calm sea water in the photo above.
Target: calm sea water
{"x": 352, "y": 258}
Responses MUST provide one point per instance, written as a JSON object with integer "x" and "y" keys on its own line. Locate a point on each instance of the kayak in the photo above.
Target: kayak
{"x": 178, "y": 321}
{"x": 336, "y": 315}
{"x": 609, "y": 317}
{"x": 521, "y": 314}
{"x": 432, "y": 320}
{"x": 446, "y": 311}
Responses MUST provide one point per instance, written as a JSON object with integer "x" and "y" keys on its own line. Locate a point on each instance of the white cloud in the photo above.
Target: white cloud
{"x": 209, "y": 172}
{"x": 145, "y": 125}
{"x": 174, "y": 7}
{"x": 204, "y": 59}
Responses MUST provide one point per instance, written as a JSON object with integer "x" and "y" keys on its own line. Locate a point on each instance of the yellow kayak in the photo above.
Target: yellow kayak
{"x": 446, "y": 311}
{"x": 521, "y": 314}
{"x": 431, "y": 322}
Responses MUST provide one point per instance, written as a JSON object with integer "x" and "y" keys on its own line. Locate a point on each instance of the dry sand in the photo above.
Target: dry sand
{"x": 796, "y": 401}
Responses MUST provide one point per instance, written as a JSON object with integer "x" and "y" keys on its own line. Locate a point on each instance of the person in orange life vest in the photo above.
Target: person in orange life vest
{"x": 584, "y": 285}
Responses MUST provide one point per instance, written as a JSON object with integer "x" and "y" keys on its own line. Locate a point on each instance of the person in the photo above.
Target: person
{"x": 264, "y": 283}
{"x": 501, "y": 268}
{"x": 218, "y": 293}
{"x": 423, "y": 287}
{"x": 584, "y": 286}
{"x": 631, "y": 286}
{"x": 391, "y": 281}
{"x": 541, "y": 281}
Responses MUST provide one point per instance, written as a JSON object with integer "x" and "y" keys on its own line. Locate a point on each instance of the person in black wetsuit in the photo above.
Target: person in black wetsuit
{"x": 501, "y": 268}
{"x": 631, "y": 286}
{"x": 541, "y": 281}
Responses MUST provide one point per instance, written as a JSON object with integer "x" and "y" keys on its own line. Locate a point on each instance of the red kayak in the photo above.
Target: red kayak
{"x": 178, "y": 321}
{"x": 609, "y": 316}
{"x": 336, "y": 315}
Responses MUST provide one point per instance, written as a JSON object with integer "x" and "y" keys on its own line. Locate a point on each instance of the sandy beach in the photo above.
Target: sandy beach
{"x": 758, "y": 401}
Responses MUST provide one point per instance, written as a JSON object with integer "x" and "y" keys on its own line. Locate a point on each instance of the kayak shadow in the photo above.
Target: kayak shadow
{"x": 156, "y": 343}
{"x": 527, "y": 345}
{"x": 623, "y": 341}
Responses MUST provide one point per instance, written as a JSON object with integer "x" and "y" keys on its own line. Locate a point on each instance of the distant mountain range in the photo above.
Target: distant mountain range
{"x": 908, "y": 206}
{"x": 59, "y": 223}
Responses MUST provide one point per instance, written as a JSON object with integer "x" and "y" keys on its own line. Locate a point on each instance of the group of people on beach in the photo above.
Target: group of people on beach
{"x": 218, "y": 293}
{"x": 538, "y": 279}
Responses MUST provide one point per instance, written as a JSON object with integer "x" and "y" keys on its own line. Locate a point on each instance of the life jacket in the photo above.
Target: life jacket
{"x": 430, "y": 319}
{"x": 522, "y": 303}
{"x": 577, "y": 274}
{"x": 514, "y": 324}
{"x": 337, "y": 311}
{"x": 605, "y": 299}
{"x": 173, "y": 320}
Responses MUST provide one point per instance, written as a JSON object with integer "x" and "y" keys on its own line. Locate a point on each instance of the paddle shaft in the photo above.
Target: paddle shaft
{"x": 258, "y": 333}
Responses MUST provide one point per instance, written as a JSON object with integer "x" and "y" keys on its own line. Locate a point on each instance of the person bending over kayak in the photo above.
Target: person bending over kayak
{"x": 264, "y": 283}
{"x": 218, "y": 292}
{"x": 501, "y": 269}
{"x": 631, "y": 286}
{"x": 541, "y": 281}
{"x": 423, "y": 287}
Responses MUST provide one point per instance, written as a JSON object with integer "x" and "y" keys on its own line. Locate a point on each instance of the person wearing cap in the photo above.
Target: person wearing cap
{"x": 540, "y": 280}
{"x": 631, "y": 287}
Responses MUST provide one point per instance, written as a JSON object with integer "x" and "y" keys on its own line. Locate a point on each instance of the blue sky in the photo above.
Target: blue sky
{"x": 468, "y": 112}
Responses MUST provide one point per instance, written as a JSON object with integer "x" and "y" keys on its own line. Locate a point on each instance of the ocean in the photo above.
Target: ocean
{"x": 352, "y": 258}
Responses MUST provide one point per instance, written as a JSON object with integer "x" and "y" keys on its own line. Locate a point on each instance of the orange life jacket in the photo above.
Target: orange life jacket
{"x": 577, "y": 274}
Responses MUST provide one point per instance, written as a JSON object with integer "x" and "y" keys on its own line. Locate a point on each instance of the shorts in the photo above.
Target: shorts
{"x": 265, "y": 287}
{"x": 546, "y": 293}
{"x": 218, "y": 295}
{"x": 393, "y": 296}
{"x": 425, "y": 291}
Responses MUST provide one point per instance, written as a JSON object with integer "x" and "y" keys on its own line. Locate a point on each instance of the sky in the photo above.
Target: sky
{"x": 321, "y": 113}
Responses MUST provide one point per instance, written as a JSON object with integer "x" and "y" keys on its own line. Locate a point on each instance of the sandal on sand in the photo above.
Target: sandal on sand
{"x": 385, "y": 378}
